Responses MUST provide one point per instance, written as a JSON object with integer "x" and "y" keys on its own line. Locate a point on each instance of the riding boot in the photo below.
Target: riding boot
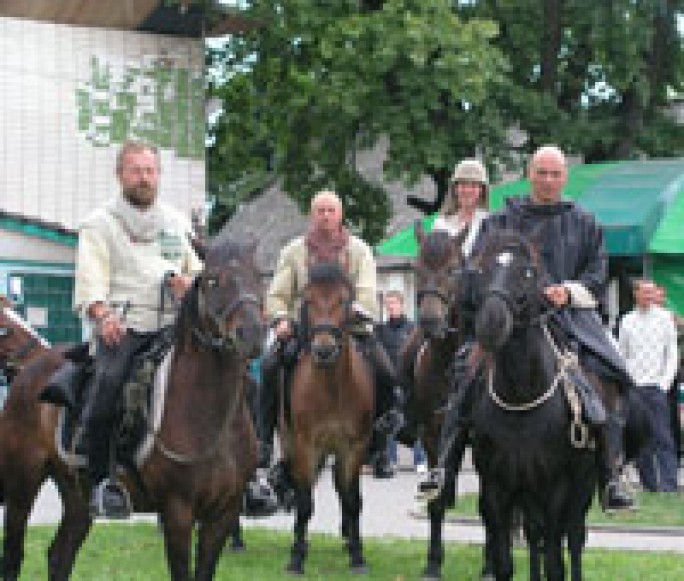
{"x": 389, "y": 395}
{"x": 278, "y": 361}
{"x": 615, "y": 495}
{"x": 594, "y": 410}
{"x": 266, "y": 407}
{"x": 454, "y": 429}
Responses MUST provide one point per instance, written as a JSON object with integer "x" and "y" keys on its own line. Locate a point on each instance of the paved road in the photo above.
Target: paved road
{"x": 390, "y": 511}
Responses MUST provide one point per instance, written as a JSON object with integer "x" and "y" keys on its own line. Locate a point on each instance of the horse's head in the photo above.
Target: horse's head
{"x": 326, "y": 311}
{"x": 509, "y": 285}
{"x": 439, "y": 276}
{"x": 17, "y": 338}
{"x": 228, "y": 298}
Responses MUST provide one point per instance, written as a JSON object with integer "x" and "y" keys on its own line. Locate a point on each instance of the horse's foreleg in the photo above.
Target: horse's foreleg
{"x": 20, "y": 495}
{"x": 339, "y": 486}
{"x": 304, "y": 504}
{"x": 177, "y": 522}
{"x": 237, "y": 543}
{"x": 349, "y": 491}
{"x": 212, "y": 536}
{"x": 72, "y": 530}
{"x": 577, "y": 537}
{"x": 497, "y": 518}
{"x": 553, "y": 555}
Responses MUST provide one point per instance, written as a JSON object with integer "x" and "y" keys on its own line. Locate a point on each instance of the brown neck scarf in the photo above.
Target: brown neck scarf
{"x": 323, "y": 247}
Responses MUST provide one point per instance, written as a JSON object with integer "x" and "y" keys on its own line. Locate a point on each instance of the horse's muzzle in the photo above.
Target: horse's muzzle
{"x": 249, "y": 339}
{"x": 433, "y": 327}
{"x": 326, "y": 353}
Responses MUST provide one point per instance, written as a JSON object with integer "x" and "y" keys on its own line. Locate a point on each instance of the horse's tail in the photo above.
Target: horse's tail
{"x": 638, "y": 428}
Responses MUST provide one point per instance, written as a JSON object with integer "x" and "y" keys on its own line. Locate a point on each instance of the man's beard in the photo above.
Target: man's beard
{"x": 140, "y": 196}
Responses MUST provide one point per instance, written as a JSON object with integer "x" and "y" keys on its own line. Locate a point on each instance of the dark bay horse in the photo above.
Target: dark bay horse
{"x": 426, "y": 360}
{"x": 331, "y": 409}
{"x": 203, "y": 452}
{"x": 530, "y": 443}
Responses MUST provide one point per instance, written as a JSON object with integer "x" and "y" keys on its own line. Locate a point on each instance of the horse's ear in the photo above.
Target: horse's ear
{"x": 419, "y": 231}
{"x": 199, "y": 246}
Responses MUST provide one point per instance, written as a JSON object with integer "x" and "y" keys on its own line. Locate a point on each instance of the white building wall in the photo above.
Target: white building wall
{"x": 70, "y": 95}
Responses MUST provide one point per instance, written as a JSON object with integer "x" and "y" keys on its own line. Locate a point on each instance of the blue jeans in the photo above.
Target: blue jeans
{"x": 657, "y": 464}
{"x": 418, "y": 452}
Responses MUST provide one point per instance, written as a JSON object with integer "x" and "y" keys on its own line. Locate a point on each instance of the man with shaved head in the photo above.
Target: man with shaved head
{"x": 327, "y": 240}
{"x": 575, "y": 260}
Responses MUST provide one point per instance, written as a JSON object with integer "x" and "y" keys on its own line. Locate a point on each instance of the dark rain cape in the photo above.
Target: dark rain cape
{"x": 572, "y": 250}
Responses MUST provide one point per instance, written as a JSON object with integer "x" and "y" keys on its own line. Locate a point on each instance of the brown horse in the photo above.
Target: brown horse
{"x": 203, "y": 451}
{"x": 331, "y": 409}
{"x": 428, "y": 357}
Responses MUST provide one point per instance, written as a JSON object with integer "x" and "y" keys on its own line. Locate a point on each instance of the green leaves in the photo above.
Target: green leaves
{"x": 440, "y": 80}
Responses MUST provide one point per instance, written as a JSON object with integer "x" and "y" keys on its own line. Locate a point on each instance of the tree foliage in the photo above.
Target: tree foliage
{"x": 319, "y": 80}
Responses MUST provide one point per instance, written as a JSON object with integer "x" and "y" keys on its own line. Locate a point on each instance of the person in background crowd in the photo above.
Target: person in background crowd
{"x": 648, "y": 341}
{"x": 674, "y": 393}
{"x": 393, "y": 334}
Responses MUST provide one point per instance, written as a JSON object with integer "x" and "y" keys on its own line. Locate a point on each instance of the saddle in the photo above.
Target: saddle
{"x": 140, "y": 396}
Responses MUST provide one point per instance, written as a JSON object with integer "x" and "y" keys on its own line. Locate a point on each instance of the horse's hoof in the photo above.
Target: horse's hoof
{"x": 294, "y": 570}
{"x": 360, "y": 569}
{"x": 431, "y": 574}
{"x": 237, "y": 547}
{"x": 488, "y": 577}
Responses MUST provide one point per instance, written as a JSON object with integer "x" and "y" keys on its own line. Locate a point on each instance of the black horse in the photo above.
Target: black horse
{"x": 531, "y": 446}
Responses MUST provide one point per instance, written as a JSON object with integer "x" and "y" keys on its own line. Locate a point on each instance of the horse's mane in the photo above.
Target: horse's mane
{"x": 434, "y": 247}
{"x": 329, "y": 273}
{"x": 187, "y": 314}
{"x": 497, "y": 240}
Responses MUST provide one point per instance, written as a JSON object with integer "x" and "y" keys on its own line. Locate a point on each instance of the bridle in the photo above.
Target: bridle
{"x": 221, "y": 342}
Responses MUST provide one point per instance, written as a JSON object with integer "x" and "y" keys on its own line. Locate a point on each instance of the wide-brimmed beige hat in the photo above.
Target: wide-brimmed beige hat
{"x": 470, "y": 170}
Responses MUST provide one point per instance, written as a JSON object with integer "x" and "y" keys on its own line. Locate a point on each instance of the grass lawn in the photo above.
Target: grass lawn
{"x": 135, "y": 552}
{"x": 655, "y": 509}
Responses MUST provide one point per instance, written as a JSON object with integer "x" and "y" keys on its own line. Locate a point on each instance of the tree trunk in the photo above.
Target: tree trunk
{"x": 551, "y": 43}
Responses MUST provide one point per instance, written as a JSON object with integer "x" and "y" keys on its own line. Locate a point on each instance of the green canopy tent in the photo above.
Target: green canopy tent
{"x": 639, "y": 203}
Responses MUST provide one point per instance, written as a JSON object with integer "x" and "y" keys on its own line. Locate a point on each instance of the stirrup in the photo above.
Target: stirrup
{"x": 616, "y": 497}
{"x": 110, "y": 499}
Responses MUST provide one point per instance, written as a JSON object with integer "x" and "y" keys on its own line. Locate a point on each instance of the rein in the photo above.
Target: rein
{"x": 579, "y": 432}
{"x": 223, "y": 344}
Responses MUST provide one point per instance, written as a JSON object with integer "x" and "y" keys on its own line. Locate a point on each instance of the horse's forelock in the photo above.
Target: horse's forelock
{"x": 328, "y": 273}
{"x": 436, "y": 247}
{"x": 223, "y": 250}
{"x": 498, "y": 241}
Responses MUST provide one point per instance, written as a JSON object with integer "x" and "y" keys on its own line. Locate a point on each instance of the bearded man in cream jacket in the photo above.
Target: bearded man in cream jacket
{"x": 126, "y": 251}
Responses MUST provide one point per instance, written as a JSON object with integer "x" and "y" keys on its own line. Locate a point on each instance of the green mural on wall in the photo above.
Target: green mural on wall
{"x": 155, "y": 101}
